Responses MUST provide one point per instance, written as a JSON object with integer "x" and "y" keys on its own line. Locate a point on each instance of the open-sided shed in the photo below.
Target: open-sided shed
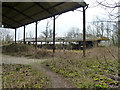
{"x": 17, "y": 14}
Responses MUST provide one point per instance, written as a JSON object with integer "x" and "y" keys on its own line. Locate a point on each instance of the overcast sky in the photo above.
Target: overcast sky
{"x": 68, "y": 20}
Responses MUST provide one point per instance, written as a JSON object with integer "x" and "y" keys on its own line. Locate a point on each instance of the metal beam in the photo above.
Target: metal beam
{"x": 8, "y": 25}
{"x": 47, "y": 10}
{"x": 50, "y": 16}
{"x": 25, "y": 9}
{"x": 20, "y": 12}
{"x": 10, "y": 12}
{"x": 84, "y": 31}
{"x": 12, "y": 19}
{"x": 24, "y": 35}
{"x": 15, "y": 35}
{"x": 43, "y": 8}
{"x": 53, "y": 34}
{"x": 36, "y": 34}
{"x": 60, "y": 3}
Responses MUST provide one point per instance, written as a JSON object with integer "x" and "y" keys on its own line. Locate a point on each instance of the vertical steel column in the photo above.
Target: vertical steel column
{"x": 36, "y": 35}
{"x": 15, "y": 35}
{"x": 24, "y": 35}
{"x": 84, "y": 31}
{"x": 53, "y": 34}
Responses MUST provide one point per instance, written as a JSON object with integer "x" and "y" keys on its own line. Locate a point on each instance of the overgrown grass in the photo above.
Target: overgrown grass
{"x": 18, "y": 49}
{"x": 42, "y": 53}
{"x": 23, "y": 76}
{"x": 97, "y": 70}
{"x": 26, "y": 51}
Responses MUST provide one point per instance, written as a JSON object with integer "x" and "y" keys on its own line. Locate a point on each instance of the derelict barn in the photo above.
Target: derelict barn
{"x": 18, "y": 14}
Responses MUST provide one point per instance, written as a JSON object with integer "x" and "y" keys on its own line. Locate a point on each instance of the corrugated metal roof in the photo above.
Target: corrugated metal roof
{"x": 17, "y": 14}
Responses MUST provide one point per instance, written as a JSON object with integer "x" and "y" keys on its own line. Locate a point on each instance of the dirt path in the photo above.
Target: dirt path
{"x": 16, "y": 60}
{"x": 57, "y": 80}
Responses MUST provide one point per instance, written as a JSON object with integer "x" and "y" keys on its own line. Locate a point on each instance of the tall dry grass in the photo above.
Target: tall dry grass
{"x": 25, "y": 50}
{"x": 100, "y": 62}
{"x": 110, "y": 52}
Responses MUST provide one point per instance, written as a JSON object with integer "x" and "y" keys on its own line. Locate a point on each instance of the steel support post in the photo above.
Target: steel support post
{"x": 24, "y": 35}
{"x": 36, "y": 34}
{"x": 53, "y": 34}
{"x": 84, "y": 33}
{"x": 15, "y": 35}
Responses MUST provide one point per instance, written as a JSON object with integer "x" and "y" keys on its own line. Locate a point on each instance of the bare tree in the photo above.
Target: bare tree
{"x": 48, "y": 33}
{"x": 45, "y": 33}
{"x": 30, "y": 34}
{"x": 74, "y": 32}
{"x": 111, "y": 8}
{"x": 91, "y": 31}
{"x": 102, "y": 29}
{"x": 113, "y": 15}
{"x": 5, "y": 35}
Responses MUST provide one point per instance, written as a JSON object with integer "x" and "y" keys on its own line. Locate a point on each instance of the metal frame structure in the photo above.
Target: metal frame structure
{"x": 24, "y": 34}
{"x": 51, "y": 11}
{"x": 53, "y": 34}
{"x": 84, "y": 31}
{"x": 15, "y": 35}
{"x": 36, "y": 33}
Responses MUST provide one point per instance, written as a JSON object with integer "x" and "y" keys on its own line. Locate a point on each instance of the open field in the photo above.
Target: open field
{"x": 97, "y": 70}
